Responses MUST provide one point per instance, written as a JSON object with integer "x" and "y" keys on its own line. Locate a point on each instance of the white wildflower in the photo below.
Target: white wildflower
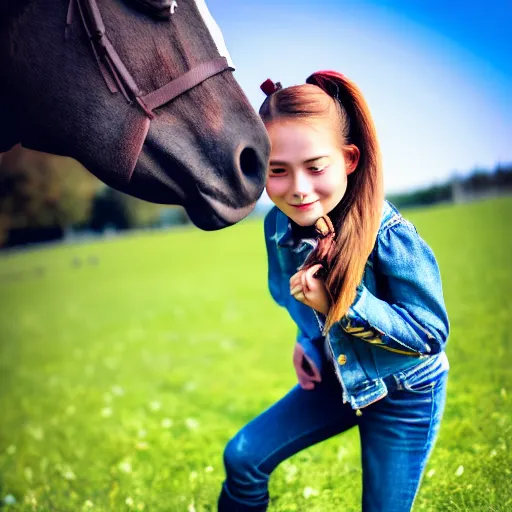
{"x": 459, "y": 471}
{"x": 193, "y": 476}
{"x": 342, "y": 452}
{"x": 117, "y": 391}
{"x": 129, "y": 501}
{"x": 36, "y": 432}
{"x": 493, "y": 453}
{"x": 68, "y": 474}
{"x": 290, "y": 472}
{"x": 191, "y": 423}
{"x": 191, "y": 507}
{"x": 125, "y": 466}
{"x": 106, "y": 412}
{"x": 166, "y": 423}
{"x": 208, "y": 469}
{"x": 190, "y": 386}
{"x": 309, "y": 491}
{"x": 88, "y": 504}
{"x": 155, "y": 405}
{"x": 30, "y": 499}
{"x": 431, "y": 473}
{"x": 10, "y": 500}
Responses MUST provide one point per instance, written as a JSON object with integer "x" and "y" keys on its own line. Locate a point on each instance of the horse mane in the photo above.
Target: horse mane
{"x": 10, "y": 12}
{"x": 10, "y": 9}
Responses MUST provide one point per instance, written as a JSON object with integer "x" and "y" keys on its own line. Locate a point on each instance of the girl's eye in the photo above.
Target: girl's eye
{"x": 277, "y": 171}
{"x": 317, "y": 168}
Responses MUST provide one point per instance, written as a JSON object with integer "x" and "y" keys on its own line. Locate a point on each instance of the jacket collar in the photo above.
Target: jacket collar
{"x": 284, "y": 235}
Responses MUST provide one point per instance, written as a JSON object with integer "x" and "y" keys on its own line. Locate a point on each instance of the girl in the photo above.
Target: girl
{"x": 365, "y": 292}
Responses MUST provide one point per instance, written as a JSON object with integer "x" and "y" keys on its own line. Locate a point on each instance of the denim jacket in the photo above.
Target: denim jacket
{"x": 397, "y": 325}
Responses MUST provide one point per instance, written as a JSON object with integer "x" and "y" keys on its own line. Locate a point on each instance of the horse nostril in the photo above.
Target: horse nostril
{"x": 251, "y": 165}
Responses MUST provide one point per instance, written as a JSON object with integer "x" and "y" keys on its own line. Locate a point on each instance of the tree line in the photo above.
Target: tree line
{"x": 42, "y": 195}
{"x": 458, "y": 188}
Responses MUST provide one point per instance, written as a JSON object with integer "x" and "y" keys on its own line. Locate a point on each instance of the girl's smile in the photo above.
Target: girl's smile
{"x": 304, "y": 206}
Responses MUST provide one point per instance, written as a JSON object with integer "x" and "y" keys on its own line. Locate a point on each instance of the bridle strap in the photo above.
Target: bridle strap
{"x": 107, "y": 57}
{"x": 185, "y": 82}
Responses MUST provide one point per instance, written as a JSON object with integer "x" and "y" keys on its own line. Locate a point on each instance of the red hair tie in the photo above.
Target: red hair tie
{"x": 269, "y": 87}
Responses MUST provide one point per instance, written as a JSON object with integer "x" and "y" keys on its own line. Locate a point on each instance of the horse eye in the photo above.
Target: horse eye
{"x": 159, "y": 9}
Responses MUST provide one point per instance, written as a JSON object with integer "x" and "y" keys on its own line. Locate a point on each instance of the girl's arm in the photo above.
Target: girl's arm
{"x": 312, "y": 349}
{"x": 274, "y": 269}
{"x": 278, "y": 285}
{"x": 409, "y": 315}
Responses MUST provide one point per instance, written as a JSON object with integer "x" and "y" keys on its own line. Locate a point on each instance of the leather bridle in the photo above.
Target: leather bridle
{"x": 114, "y": 72}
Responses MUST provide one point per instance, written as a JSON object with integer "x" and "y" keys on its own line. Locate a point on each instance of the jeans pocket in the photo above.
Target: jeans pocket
{"x": 425, "y": 383}
{"x": 426, "y": 376}
{"x": 423, "y": 386}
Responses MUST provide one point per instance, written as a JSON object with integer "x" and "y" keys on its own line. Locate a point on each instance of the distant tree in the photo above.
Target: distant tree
{"x": 479, "y": 179}
{"x": 467, "y": 187}
{"x": 423, "y": 197}
{"x": 41, "y": 190}
{"x": 503, "y": 176}
{"x": 112, "y": 208}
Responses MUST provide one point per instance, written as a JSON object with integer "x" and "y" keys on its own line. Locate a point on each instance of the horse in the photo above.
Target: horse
{"x": 141, "y": 93}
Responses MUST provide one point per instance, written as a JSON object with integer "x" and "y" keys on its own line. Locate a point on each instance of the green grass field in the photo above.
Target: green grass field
{"x": 126, "y": 365}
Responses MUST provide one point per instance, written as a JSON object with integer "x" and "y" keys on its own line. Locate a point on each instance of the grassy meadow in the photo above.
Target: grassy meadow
{"x": 127, "y": 364}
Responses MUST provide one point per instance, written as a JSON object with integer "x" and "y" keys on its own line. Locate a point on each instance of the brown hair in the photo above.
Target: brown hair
{"x": 356, "y": 219}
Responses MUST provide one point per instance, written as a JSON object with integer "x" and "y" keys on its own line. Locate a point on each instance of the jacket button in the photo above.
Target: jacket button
{"x": 359, "y": 412}
{"x": 342, "y": 359}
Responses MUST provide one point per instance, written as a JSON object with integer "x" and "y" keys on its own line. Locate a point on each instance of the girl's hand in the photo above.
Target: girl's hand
{"x": 307, "y": 372}
{"x": 310, "y": 290}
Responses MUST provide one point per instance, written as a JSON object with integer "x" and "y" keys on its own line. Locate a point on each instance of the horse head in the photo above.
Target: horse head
{"x": 138, "y": 92}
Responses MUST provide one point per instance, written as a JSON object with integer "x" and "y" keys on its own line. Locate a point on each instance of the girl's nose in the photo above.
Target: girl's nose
{"x": 302, "y": 184}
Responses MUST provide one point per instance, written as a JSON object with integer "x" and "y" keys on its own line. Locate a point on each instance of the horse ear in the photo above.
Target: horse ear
{"x": 160, "y": 9}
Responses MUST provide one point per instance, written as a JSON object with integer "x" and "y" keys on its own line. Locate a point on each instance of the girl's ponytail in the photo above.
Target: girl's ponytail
{"x": 357, "y": 217}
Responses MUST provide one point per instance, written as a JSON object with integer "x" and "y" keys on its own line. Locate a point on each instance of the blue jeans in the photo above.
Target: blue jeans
{"x": 397, "y": 435}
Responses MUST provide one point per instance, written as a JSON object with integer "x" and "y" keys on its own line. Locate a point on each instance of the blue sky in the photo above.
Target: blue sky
{"x": 437, "y": 75}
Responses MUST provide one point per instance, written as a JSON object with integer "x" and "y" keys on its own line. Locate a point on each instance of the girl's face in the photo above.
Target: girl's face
{"x": 308, "y": 169}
